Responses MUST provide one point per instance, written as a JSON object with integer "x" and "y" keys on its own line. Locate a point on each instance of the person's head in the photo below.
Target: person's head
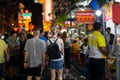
{"x": 97, "y": 26}
{"x": 22, "y": 36}
{"x": 64, "y": 36}
{"x": 108, "y": 29}
{"x": 74, "y": 41}
{"x": 36, "y": 32}
{"x": 41, "y": 32}
{"x": 23, "y": 31}
{"x": 53, "y": 32}
{"x": 59, "y": 35}
{"x": 85, "y": 40}
{"x": 13, "y": 34}
{"x": 75, "y": 31}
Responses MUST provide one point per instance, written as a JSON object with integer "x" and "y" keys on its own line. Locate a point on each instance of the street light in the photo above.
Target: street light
{"x": 98, "y": 13}
{"x": 100, "y": 18}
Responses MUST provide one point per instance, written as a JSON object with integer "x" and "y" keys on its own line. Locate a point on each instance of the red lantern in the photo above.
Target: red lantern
{"x": 116, "y": 13}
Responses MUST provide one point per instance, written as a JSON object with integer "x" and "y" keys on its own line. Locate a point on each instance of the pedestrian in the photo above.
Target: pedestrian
{"x": 13, "y": 45}
{"x": 110, "y": 40}
{"x": 42, "y": 35}
{"x": 22, "y": 39}
{"x": 75, "y": 35}
{"x": 67, "y": 50}
{"x": 75, "y": 50}
{"x": 98, "y": 53}
{"x": 56, "y": 65}
{"x": 84, "y": 51}
{"x": 34, "y": 58}
{"x": 84, "y": 58}
{"x": 3, "y": 59}
{"x": 85, "y": 69}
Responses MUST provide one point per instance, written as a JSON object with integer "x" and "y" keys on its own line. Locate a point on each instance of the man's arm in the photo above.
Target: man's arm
{"x": 103, "y": 51}
{"x": 43, "y": 59}
{"x": 25, "y": 59}
{"x": 25, "y": 56}
{"x": 62, "y": 47}
{"x": 7, "y": 54}
{"x": 102, "y": 46}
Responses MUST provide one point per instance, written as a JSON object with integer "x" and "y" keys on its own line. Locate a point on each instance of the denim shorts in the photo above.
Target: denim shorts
{"x": 56, "y": 64}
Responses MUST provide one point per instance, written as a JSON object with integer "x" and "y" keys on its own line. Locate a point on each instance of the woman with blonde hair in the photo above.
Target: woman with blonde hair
{"x": 56, "y": 65}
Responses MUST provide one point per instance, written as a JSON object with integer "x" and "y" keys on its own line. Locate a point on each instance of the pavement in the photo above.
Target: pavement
{"x": 75, "y": 74}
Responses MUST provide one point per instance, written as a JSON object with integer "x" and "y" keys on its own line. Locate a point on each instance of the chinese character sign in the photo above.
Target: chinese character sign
{"x": 85, "y": 16}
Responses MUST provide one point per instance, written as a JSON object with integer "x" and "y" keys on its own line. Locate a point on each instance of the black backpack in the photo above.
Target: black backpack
{"x": 53, "y": 51}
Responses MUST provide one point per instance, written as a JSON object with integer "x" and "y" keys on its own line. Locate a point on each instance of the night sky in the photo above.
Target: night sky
{"x": 36, "y": 10}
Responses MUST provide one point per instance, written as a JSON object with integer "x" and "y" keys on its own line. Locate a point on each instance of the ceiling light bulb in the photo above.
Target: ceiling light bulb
{"x": 98, "y": 12}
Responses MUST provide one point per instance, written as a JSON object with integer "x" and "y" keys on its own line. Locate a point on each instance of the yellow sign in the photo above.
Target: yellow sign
{"x": 27, "y": 17}
{"x": 47, "y": 26}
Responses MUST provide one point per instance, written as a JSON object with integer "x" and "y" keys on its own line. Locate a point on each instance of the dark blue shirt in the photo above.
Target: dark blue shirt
{"x": 43, "y": 38}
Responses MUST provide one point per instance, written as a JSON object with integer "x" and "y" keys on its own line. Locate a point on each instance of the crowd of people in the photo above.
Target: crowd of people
{"x": 19, "y": 51}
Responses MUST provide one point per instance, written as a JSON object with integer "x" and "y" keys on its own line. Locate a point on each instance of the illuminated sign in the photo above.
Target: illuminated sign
{"x": 26, "y": 15}
{"x": 85, "y": 16}
{"x": 24, "y": 19}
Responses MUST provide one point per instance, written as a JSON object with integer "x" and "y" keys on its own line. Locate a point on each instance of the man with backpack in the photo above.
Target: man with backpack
{"x": 55, "y": 52}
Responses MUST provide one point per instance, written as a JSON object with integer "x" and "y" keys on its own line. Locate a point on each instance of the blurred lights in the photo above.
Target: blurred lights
{"x": 63, "y": 30}
{"x": 98, "y": 12}
{"x": 117, "y": 0}
{"x": 48, "y": 10}
{"x": 36, "y": 1}
{"x": 12, "y": 24}
{"x": 42, "y": 1}
{"x": 82, "y": 9}
{"x": 42, "y": 13}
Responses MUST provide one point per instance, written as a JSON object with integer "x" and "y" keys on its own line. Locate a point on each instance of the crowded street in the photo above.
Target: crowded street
{"x": 59, "y": 40}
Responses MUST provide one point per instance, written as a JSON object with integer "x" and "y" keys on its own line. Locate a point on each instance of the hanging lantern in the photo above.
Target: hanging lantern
{"x": 115, "y": 13}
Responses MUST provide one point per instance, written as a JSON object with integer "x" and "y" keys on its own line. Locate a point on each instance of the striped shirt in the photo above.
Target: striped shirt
{"x": 35, "y": 48}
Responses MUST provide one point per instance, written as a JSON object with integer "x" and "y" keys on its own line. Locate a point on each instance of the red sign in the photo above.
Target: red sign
{"x": 85, "y": 16}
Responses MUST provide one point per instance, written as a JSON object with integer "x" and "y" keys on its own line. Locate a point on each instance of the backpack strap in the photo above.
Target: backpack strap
{"x": 50, "y": 41}
{"x": 55, "y": 40}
